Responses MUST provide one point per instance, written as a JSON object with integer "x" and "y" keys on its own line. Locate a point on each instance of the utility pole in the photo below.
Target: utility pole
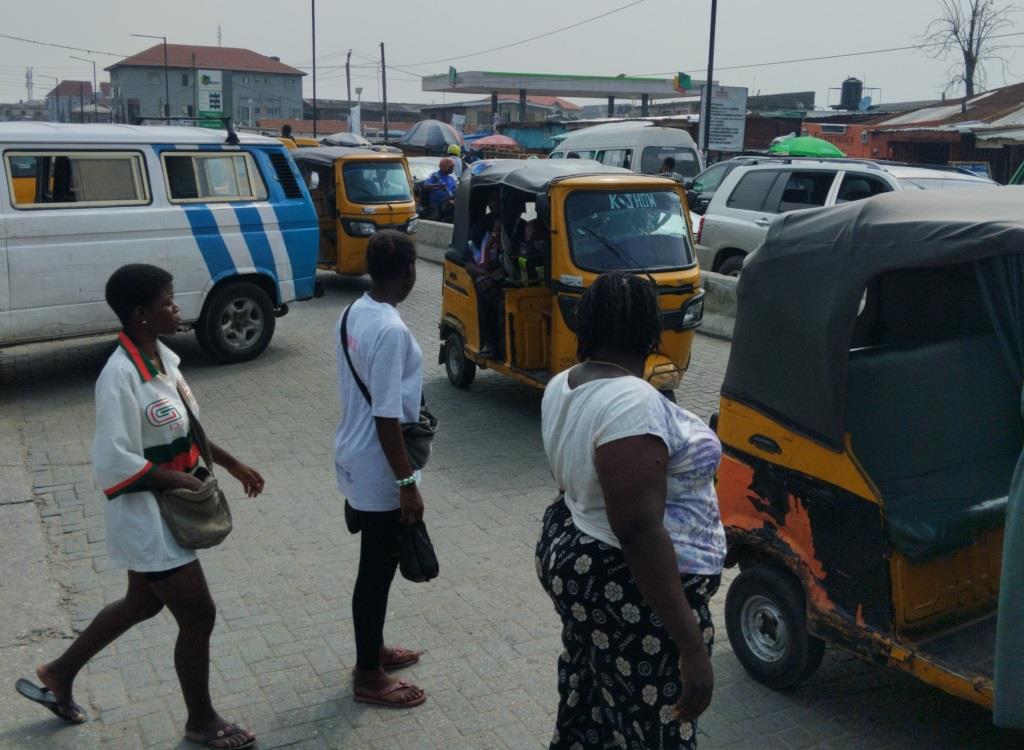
{"x": 195, "y": 84}
{"x": 384, "y": 90}
{"x": 81, "y": 102}
{"x": 95, "y": 107}
{"x": 28, "y": 83}
{"x": 348, "y": 83}
{"x": 706, "y": 115}
{"x": 313, "y": 15}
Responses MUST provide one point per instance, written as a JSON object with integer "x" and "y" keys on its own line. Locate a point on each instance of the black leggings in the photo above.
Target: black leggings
{"x": 378, "y": 559}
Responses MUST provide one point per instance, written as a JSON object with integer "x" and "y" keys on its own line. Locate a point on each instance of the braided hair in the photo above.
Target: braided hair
{"x": 620, "y": 310}
{"x": 389, "y": 254}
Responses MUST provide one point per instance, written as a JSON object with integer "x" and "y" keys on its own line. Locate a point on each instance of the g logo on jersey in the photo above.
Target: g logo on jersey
{"x": 162, "y": 412}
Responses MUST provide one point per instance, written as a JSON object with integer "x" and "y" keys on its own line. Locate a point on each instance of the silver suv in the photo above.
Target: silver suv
{"x": 749, "y": 199}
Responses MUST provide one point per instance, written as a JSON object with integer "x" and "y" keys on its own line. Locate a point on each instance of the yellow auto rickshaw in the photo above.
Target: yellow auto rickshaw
{"x": 356, "y": 192}
{"x": 870, "y": 422}
{"x": 557, "y": 226}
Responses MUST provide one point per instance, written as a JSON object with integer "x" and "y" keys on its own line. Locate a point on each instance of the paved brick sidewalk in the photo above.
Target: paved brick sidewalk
{"x": 283, "y": 646}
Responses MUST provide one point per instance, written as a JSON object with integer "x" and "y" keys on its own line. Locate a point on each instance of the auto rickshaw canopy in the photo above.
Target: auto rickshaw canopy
{"x": 800, "y": 293}
{"x": 530, "y": 176}
{"x": 325, "y": 156}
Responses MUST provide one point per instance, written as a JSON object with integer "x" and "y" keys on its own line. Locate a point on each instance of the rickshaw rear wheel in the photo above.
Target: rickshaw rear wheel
{"x": 461, "y": 370}
{"x": 765, "y": 617}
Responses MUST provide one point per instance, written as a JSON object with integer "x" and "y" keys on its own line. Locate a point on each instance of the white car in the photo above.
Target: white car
{"x": 750, "y": 198}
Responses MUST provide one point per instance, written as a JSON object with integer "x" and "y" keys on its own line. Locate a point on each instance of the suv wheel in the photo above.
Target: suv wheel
{"x": 731, "y": 266}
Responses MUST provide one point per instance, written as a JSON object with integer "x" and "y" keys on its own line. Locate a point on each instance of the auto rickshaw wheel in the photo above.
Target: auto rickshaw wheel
{"x": 461, "y": 370}
{"x": 766, "y": 620}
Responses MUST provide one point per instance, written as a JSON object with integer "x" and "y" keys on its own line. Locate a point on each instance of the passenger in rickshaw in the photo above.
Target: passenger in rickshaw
{"x": 488, "y": 274}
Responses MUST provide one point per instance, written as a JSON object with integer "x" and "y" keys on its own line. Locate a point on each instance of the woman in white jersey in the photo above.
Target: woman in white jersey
{"x": 143, "y": 444}
{"x": 371, "y": 464}
{"x": 633, "y": 549}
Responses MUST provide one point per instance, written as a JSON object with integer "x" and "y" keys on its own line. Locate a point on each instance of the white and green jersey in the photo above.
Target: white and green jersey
{"x": 141, "y": 424}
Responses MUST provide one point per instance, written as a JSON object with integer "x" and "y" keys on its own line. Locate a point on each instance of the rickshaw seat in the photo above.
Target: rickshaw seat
{"x": 937, "y": 428}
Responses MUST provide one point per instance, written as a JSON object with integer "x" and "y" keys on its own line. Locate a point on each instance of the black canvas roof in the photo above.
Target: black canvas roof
{"x": 799, "y": 294}
{"x": 326, "y": 155}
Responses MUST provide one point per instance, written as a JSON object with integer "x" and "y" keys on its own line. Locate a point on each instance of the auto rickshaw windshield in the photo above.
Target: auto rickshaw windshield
{"x": 376, "y": 182}
{"x": 642, "y": 230}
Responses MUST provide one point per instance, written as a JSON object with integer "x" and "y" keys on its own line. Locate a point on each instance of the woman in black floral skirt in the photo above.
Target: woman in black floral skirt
{"x": 632, "y": 551}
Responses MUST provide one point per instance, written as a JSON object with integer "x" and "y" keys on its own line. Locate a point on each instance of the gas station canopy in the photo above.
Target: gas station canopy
{"x": 553, "y": 84}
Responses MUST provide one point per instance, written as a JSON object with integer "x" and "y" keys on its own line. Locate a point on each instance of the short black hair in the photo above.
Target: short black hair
{"x": 670, "y": 162}
{"x": 286, "y": 129}
{"x": 620, "y": 310}
{"x": 388, "y": 254}
{"x": 135, "y": 285}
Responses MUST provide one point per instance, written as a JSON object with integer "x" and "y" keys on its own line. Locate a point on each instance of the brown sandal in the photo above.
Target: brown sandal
{"x": 400, "y": 658}
{"x": 386, "y": 696}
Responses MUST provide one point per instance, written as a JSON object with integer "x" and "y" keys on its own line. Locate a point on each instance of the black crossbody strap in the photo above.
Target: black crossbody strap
{"x": 344, "y": 347}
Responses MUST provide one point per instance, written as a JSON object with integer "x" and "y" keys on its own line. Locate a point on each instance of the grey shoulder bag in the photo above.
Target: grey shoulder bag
{"x": 197, "y": 518}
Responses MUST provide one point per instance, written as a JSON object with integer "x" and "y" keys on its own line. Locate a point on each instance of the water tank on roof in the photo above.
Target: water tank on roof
{"x": 852, "y": 93}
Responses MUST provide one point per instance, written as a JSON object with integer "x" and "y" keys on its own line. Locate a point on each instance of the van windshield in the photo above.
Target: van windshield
{"x": 633, "y": 231}
{"x": 376, "y": 182}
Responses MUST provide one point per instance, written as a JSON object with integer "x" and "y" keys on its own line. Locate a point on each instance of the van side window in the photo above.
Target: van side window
{"x": 618, "y": 157}
{"x": 79, "y": 179}
{"x": 211, "y": 177}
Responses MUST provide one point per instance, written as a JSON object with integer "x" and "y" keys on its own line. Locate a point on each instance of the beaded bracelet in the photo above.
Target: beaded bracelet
{"x": 413, "y": 479}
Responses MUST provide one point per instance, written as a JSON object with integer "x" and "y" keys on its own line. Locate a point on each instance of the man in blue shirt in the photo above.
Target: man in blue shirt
{"x": 440, "y": 191}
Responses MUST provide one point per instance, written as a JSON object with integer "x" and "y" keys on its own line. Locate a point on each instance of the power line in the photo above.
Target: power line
{"x": 825, "y": 57}
{"x": 529, "y": 39}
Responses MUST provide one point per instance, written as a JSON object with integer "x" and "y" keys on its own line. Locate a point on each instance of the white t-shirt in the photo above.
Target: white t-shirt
{"x": 141, "y": 423}
{"x": 390, "y": 363}
{"x": 575, "y": 422}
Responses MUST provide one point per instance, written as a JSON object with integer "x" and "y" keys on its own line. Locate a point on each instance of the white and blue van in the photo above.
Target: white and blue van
{"x": 227, "y": 215}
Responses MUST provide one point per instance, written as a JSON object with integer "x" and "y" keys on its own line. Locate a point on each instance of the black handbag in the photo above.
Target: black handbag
{"x": 416, "y": 558}
{"x": 419, "y": 435}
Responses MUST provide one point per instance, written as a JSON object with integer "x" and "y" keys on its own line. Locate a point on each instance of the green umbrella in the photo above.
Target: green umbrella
{"x": 806, "y": 145}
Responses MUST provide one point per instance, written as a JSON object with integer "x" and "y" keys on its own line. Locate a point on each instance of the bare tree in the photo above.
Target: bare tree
{"x": 970, "y": 30}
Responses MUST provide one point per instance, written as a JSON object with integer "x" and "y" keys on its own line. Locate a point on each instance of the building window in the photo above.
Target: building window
{"x": 205, "y": 178}
{"x": 184, "y": 79}
{"x": 77, "y": 179}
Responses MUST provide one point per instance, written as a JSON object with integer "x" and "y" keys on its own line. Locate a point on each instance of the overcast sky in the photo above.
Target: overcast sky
{"x": 654, "y": 36}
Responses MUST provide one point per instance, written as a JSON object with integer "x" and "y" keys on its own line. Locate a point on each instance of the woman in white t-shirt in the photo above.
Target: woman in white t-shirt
{"x": 144, "y": 444}
{"x": 632, "y": 551}
{"x": 371, "y": 464}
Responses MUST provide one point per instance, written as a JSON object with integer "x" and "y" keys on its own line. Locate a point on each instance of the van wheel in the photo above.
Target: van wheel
{"x": 766, "y": 621}
{"x": 461, "y": 370}
{"x": 237, "y": 323}
{"x": 731, "y": 266}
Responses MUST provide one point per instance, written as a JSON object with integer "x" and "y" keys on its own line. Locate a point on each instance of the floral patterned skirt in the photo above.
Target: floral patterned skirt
{"x": 618, "y": 677}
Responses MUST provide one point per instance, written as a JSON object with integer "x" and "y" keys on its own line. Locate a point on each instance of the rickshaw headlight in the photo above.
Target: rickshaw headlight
{"x": 362, "y": 228}
{"x": 410, "y": 228}
{"x": 693, "y": 315}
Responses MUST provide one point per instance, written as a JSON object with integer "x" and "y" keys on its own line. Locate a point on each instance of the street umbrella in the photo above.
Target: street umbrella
{"x": 496, "y": 140}
{"x": 806, "y": 145}
{"x": 345, "y": 139}
{"x": 431, "y": 134}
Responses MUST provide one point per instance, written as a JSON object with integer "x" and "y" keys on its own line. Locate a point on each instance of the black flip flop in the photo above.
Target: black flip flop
{"x": 45, "y": 698}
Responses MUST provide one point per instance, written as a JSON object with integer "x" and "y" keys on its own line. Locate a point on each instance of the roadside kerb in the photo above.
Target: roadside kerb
{"x": 433, "y": 239}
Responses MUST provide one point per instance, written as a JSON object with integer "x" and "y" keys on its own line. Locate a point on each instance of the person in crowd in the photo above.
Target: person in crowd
{"x": 668, "y": 169}
{"x": 455, "y": 154}
{"x": 143, "y": 444}
{"x": 486, "y": 269}
{"x": 632, "y": 550}
{"x": 373, "y": 470}
{"x": 286, "y": 132}
{"x": 440, "y": 191}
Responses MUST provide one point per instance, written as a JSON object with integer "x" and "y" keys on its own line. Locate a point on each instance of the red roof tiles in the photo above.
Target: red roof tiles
{"x": 214, "y": 58}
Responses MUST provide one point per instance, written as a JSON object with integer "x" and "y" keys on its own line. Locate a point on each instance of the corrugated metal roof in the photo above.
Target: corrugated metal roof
{"x": 213, "y": 58}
